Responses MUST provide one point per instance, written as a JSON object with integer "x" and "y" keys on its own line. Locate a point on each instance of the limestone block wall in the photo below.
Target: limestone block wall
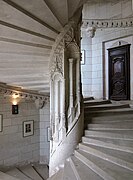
{"x": 86, "y": 66}
{"x": 44, "y": 140}
{"x": 104, "y": 38}
{"x": 14, "y": 148}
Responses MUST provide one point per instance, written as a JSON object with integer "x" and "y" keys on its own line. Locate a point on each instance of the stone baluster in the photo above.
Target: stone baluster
{"x": 71, "y": 105}
{"x": 63, "y": 118}
{"x": 56, "y": 110}
{"x": 78, "y": 78}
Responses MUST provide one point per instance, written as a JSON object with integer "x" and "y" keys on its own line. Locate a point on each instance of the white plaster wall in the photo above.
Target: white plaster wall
{"x": 102, "y": 36}
{"x": 44, "y": 143}
{"x": 14, "y": 148}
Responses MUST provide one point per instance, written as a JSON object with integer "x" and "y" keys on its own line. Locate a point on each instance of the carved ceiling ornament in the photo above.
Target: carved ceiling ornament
{"x": 90, "y": 25}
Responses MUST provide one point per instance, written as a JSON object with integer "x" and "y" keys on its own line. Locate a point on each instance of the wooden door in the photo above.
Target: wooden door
{"x": 119, "y": 73}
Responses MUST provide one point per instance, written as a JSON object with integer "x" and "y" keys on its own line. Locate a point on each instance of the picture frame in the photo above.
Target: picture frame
{"x": 82, "y": 56}
{"x": 28, "y": 128}
{"x": 48, "y": 134}
{"x": 1, "y": 122}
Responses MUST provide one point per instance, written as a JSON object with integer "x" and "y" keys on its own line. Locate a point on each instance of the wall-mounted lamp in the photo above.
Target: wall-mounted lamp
{"x": 15, "y": 103}
{"x": 15, "y": 109}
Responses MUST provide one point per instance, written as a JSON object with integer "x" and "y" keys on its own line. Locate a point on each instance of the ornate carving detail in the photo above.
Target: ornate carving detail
{"x": 107, "y": 23}
{"x": 69, "y": 36}
{"x": 57, "y": 65}
{"x": 91, "y": 31}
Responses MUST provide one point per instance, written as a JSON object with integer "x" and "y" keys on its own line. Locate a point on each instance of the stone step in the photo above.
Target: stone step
{"x": 57, "y": 176}
{"x": 4, "y": 176}
{"x": 88, "y": 98}
{"x": 106, "y": 107}
{"x": 107, "y": 145}
{"x": 92, "y": 166}
{"x": 30, "y": 172}
{"x": 120, "y": 142}
{"x": 112, "y": 170}
{"x": 68, "y": 173}
{"x": 17, "y": 174}
{"x": 124, "y": 135}
{"x": 114, "y": 156}
{"x": 96, "y": 102}
{"x": 107, "y": 113}
{"x": 82, "y": 171}
{"x": 112, "y": 121}
{"x": 113, "y": 126}
{"x": 114, "y": 116}
{"x": 42, "y": 170}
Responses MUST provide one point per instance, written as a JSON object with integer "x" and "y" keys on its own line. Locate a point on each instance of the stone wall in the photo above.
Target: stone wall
{"x": 86, "y": 67}
{"x": 104, "y": 37}
{"x": 14, "y": 148}
{"x": 44, "y": 140}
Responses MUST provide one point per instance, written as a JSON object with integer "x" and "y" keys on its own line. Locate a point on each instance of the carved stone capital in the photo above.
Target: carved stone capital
{"x": 91, "y": 31}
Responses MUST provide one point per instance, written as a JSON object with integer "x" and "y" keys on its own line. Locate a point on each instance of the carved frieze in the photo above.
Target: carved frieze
{"x": 93, "y": 24}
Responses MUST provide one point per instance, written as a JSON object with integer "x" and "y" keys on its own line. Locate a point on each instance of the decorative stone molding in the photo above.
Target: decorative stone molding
{"x": 90, "y": 25}
{"x": 39, "y": 99}
{"x": 91, "y": 31}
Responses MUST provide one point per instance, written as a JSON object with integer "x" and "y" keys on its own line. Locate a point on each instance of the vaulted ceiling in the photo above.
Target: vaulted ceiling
{"x": 28, "y": 29}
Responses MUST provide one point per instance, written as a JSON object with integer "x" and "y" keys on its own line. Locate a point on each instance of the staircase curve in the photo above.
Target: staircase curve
{"x": 106, "y": 149}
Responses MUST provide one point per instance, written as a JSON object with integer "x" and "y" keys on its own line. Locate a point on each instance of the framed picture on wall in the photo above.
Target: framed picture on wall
{"x": 82, "y": 56}
{"x": 28, "y": 128}
{"x": 1, "y": 122}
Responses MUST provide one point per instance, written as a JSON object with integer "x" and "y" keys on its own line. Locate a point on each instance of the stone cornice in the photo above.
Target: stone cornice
{"x": 90, "y": 25}
{"x": 108, "y": 23}
{"x": 24, "y": 94}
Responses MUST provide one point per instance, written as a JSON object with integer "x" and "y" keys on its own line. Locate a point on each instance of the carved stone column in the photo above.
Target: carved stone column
{"x": 71, "y": 103}
{"x": 78, "y": 78}
{"x": 71, "y": 81}
{"x": 57, "y": 111}
{"x": 63, "y": 118}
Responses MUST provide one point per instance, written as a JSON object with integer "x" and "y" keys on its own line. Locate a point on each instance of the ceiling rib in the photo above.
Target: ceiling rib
{"x": 25, "y": 30}
{"x": 52, "y": 11}
{"x": 25, "y": 43}
{"x": 36, "y": 86}
{"x": 25, "y": 53}
{"x": 27, "y": 13}
{"x": 30, "y": 83}
{"x": 67, "y": 8}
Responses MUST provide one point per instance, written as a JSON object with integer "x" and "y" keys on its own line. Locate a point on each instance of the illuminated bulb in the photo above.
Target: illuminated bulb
{"x": 14, "y": 102}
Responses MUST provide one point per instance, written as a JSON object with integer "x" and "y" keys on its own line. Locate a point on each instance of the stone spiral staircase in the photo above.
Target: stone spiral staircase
{"x": 27, "y": 172}
{"x": 106, "y": 149}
